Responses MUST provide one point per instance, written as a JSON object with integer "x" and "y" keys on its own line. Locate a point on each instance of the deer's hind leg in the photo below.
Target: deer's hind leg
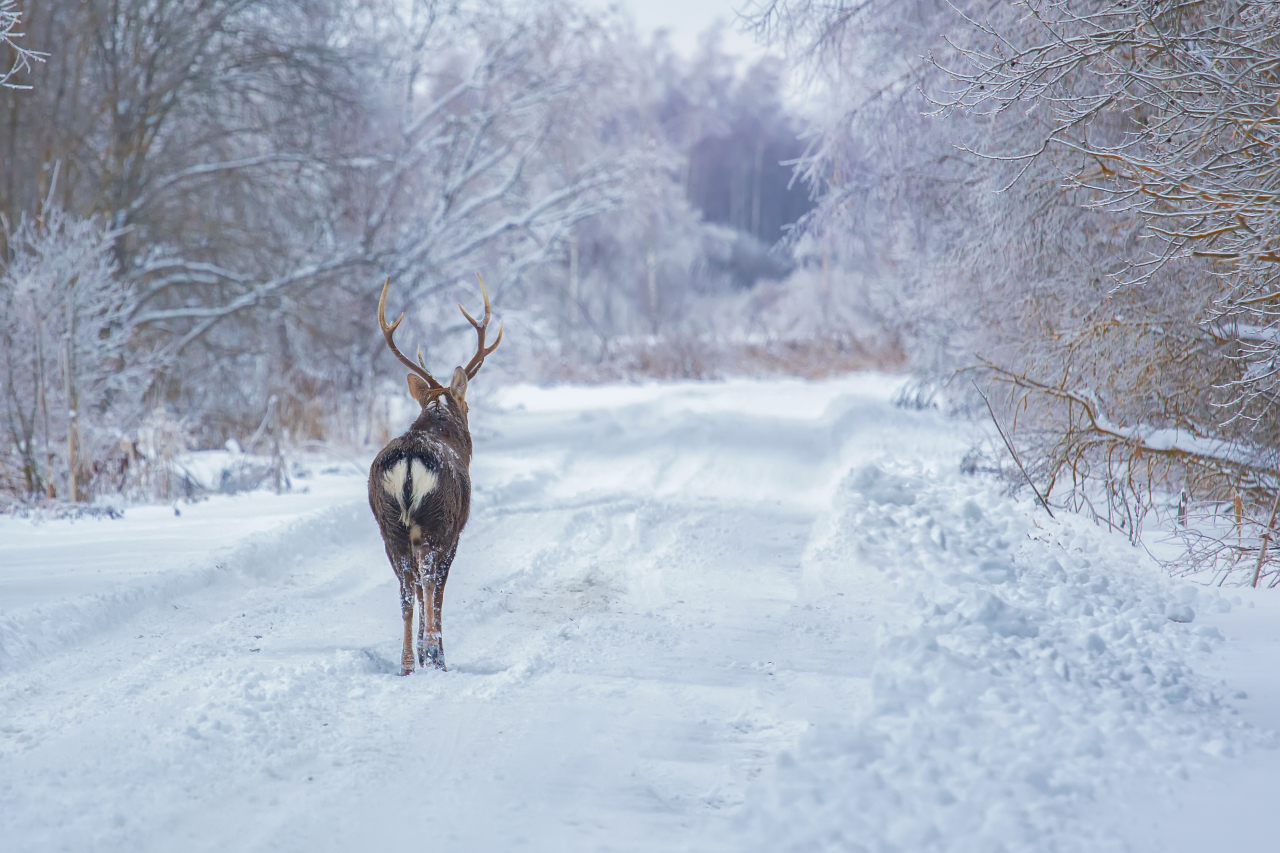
{"x": 432, "y": 591}
{"x": 408, "y": 582}
{"x": 435, "y": 627}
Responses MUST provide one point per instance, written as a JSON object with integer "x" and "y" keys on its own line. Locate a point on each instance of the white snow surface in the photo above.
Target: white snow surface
{"x": 684, "y": 616}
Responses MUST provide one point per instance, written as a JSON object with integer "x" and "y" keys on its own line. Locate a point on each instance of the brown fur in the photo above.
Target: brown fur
{"x": 421, "y": 551}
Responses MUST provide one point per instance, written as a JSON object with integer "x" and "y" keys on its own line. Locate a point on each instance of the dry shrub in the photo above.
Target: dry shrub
{"x": 816, "y": 358}
{"x": 706, "y": 357}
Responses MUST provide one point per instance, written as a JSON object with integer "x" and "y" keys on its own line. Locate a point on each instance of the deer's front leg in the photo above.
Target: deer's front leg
{"x": 422, "y": 622}
{"x": 407, "y": 585}
{"x": 433, "y": 654}
{"x": 437, "y": 599}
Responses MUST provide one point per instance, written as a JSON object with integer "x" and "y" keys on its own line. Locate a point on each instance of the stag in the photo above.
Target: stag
{"x": 420, "y": 487}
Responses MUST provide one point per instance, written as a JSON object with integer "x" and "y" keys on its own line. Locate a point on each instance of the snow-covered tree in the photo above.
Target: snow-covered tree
{"x": 1163, "y": 115}
{"x": 65, "y": 335}
{"x": 1094, "y": 218}
{"x": 263, "y": 166}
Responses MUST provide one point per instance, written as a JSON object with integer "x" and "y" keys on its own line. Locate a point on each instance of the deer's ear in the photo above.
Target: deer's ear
{"x": 418, "y": 388}
{"x": 458, "y": 385}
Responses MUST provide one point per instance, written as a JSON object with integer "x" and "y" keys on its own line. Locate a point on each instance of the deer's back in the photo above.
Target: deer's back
{"x": 420, "y": 492}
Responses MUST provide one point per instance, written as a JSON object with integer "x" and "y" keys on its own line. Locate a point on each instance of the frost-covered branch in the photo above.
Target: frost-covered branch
{"x": 1167, "y": 111}
{"x": 20, "y": 58}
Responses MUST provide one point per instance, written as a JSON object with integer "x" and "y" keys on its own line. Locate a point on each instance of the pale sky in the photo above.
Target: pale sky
{"x": 687, "y": 19}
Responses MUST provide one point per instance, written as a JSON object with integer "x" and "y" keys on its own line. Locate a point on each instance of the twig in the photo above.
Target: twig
{"x": 1013, "y": 452}
{"x": 1266, "y": 539}
{"x": 262, "y": 427}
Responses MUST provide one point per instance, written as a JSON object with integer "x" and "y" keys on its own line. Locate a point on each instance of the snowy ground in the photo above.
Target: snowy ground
{"x": 733, "y": 616}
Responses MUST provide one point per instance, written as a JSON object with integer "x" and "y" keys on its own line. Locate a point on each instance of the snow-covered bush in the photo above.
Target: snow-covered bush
{"x": 64, "y": 337}
{"x": 150, "y": 460}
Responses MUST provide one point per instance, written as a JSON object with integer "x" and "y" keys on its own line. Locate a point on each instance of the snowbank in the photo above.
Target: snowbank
{"x": 70, "y": 580}
{"x": 1036, "y": 669}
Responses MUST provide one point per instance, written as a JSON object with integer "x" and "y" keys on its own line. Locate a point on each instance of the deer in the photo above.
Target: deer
{"x": 420, "y": 487}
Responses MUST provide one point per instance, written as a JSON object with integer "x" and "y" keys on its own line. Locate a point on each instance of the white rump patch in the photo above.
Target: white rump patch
{"x": 393, "y": 482}
{"x": 422, "y": 483}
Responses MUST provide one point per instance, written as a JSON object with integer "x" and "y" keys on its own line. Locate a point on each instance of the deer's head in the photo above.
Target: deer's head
{"x": 450, "y": 399}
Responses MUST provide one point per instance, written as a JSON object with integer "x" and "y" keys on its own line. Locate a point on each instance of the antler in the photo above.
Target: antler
{"x": 389, "y": 331}
{"x": 473, "y": 366}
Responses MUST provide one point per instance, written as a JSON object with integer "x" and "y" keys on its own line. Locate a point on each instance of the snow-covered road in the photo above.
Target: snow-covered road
{"x": 662, "y": 634}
